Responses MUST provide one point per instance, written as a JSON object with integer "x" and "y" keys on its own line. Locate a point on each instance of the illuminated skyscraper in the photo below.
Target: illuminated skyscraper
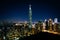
{"x": 50, "y": 21}
{"x": 30, "y": 17}
{"x": 44, "y": 26}
{"x": 46, "y": 23}
{"x": 55, "y": 20}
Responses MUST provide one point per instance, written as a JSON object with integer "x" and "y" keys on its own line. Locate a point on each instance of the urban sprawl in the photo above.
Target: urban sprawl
{"x": 15, "y": 31}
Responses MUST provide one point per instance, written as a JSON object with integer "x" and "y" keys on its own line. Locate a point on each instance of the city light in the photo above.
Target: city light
{"x": 15, "y": 31}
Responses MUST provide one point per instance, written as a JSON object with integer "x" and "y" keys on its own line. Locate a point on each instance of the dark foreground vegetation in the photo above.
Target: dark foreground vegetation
{"x": 42, "y": 36}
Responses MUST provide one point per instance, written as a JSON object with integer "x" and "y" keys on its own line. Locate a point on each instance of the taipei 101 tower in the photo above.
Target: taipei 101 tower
{"x": 30, "y": 17}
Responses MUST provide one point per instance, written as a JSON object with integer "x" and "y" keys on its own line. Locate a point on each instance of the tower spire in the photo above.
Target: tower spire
{"x": 30, "y": 16}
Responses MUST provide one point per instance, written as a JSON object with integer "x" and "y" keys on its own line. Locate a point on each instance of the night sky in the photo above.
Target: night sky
{"x": 19, "y": 10}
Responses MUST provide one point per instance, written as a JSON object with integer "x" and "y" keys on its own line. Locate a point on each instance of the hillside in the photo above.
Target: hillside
{"x": 42, "y": 36}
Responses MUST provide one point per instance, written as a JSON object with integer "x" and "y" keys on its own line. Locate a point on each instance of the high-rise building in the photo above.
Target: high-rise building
{"x": 55, "y": 20}
{"x": 59, "y": 27}
{"x": 46, "y": 22}
{"x": 44, "y": 26}
{"x": 55, "y": 24}
{"x": 40, "y": 25}
{"x": 55, "y": 27}
{"x": 50, "y": 21}
{"x": 30, "y": 17}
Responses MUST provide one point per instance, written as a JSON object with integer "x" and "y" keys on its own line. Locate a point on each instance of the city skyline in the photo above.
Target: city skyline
{"x": 19, "y": 11}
